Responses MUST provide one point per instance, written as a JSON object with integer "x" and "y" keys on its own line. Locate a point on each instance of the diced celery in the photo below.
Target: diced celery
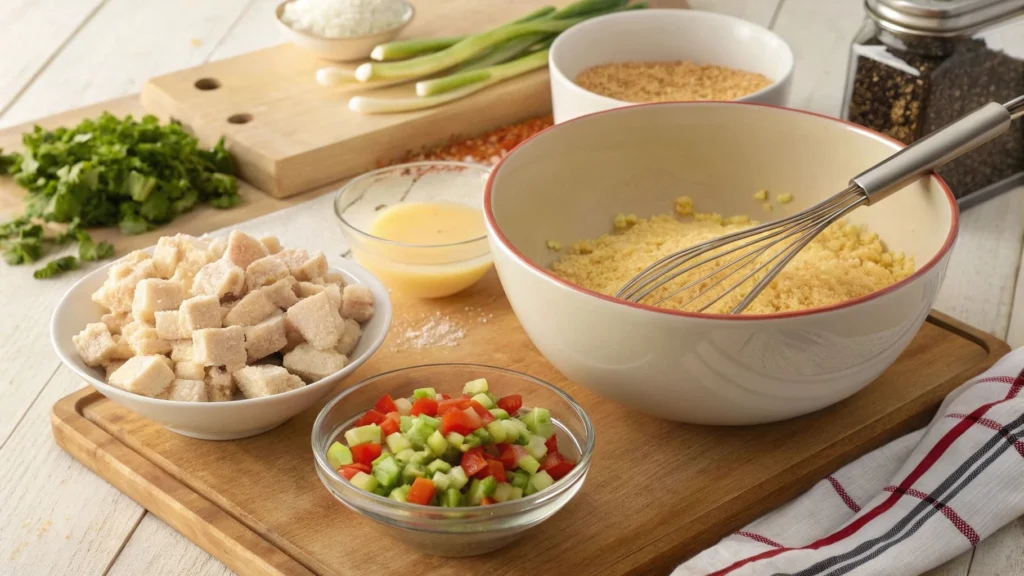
{"x": 438, "y": 466}
{"x": 339, "y": 455}
{"x": 405, "y": 423}
{"x": 452, "y": 454}
{"x": 422, "y": 457}
{"x": 518, "y": 479}
{"x": 538, "y": 421}
{"x": 505, "y": 492}
{"x": 494, "y": 399}
{"x": 523, "y": 439}
{"x": 383, "y": 456}
{"x": 511, "y": 430}
{"x": 381, "y": 490}
{"x": 437, "y": 443}
{"x": 418, "y": 434}
{"x": 499, "y": 414}
{"x": 530, "y": 489}
{"x": 536, "y": 447}
{"x": 452, "y": 498}
{"x": 424, "y": 393}
{"x": 364, "y": 481}
{"x": 541, "y": 480}
{"x": 397, "y": 442}
{"x": 458, "y": 477}
{"x": 429, "y": 420}
{"x": 455, "y": 439}
{"x": 405, "y": 456}
{"x": 523, "y": 429}
{"x": 528, "y": 463}
{"x": 474, "y": 387}
{"x": 472, "y": 441}
{"x": 484, "y": 400}
{"x": 369, "y": 434}
{"x": 413, "y": 471}
{"x": 480, "y": 489}
{"x": 441, "y": 481}
{"x": 483, "y": 435}
{"x": 404, "y": 406}
{"x": 496, "y": 430}
{"x": 489, "y": 484}
{"x": 386, "y": 472}
{"x": 399, "y": 493}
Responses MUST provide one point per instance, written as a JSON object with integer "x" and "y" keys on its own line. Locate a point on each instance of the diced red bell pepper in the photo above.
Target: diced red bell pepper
{"x": 473, "y": 461}
{"x": 511, "y": 403}
{"x": 426, "y": 406}
{"x": 347, "y": 472}
{"x": 445, "y": 397}
{"x": 372, "y": 416}
{"x": 459, "y": 422}
{"x": 445, "y": 406}
{"x": 365, "y": 453}
{"x": 494, "y": 468}
{"x": 556, "y": 465}
{"x": 391, "y": 424}
{"x": 385, "y": 405}
{"x": 552, "y": 444}
{"x": 484, "y": 414}
{"x": 487, "y": 501}
{"x": 510, "y": 455}
{"x": 474, "y": 418}
{"x": 421, "y": 491}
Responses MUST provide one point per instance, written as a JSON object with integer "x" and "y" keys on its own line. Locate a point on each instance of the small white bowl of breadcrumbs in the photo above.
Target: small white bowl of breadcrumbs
{"x": 670, "y": 55}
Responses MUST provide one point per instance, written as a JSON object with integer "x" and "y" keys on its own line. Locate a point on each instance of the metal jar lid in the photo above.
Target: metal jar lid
{"x": 941, "y": 17}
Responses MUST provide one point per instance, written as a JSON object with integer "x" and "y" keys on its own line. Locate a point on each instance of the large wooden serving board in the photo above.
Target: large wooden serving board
{"x": 657, "y": 491}
{"x": 290, "y": 134}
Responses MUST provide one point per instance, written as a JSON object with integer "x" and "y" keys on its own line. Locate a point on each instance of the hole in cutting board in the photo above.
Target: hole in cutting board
{"x": 240, "y": 118}
{"x": 207, "y": 84}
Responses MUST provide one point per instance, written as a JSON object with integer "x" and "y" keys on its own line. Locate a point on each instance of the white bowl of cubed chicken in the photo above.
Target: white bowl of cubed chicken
{"x": 220, "y": 338}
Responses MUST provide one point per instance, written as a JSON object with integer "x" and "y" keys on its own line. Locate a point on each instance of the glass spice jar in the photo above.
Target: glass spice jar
{"x": 917, "y": 65}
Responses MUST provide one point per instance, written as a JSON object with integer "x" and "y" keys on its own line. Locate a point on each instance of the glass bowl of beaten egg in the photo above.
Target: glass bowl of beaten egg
{"x": 418, "y": 227}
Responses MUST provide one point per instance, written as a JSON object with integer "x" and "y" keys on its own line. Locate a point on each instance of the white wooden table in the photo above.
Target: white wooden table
{"x": 57, "y": 517}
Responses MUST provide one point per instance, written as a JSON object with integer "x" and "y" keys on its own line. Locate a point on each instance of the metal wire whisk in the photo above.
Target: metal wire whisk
{"x": 774, "y": 244}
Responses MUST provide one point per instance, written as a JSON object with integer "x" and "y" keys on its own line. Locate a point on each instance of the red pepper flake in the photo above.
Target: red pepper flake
{"x": 488, "y": 148}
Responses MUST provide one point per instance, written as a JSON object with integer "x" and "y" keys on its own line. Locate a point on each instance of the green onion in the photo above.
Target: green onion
{"x": 588, "y": 8}
{"x": 469, "y": 76}
{"x": 403, "y": 49}
{"x": 459, "y": 53}
{"x": 503, "y": 52}
{"x": 494, "y": 74}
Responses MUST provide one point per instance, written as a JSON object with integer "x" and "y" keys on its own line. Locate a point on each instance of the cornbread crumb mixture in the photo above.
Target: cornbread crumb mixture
{"x": 845, "y": 261}
{"x": 669, "y": 81}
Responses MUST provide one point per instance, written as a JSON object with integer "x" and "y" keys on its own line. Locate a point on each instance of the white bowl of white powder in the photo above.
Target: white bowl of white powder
{"x": 342, "y": 30}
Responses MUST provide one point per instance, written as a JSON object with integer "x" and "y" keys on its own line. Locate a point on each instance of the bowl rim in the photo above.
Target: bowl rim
{"x": 560, "y": 43}
{"x": 504, "y": 242}
{"x": 424, "y": 163}
{"x": 508, "y": 508}
{"x": 410, "y": 13}
{"x": 365, "y": 278}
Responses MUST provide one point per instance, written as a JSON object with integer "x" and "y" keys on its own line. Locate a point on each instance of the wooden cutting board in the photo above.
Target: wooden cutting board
{"x": 657, "y": 491}
{"x": 289, "y": 134}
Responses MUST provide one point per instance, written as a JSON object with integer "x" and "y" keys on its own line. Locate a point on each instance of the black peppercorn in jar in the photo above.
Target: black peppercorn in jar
{"x": 917, "y": 65}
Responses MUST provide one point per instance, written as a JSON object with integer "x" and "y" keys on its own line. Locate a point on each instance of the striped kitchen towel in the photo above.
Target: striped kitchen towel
{"x": 904, "y": 508}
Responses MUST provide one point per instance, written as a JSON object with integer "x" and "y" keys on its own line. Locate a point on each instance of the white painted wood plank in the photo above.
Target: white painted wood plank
{"x": 156, "y": 549}
{"x": 756, "y": 11}
{"x": 254, "y": 30}
{"x": 125, "y": 43}
{"x": 31, "y": 32}
{"x": 57, "y": 516}
{"x": 982, "y": 272}
{"x": 819, "y": 34}
{"x": 1001, "y": 554}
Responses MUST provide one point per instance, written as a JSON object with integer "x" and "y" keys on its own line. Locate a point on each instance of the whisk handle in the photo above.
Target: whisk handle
{"x": 934, "y": 150}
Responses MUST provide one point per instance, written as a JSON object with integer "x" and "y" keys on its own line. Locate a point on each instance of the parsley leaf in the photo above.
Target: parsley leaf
{"x": 56, "y": 267}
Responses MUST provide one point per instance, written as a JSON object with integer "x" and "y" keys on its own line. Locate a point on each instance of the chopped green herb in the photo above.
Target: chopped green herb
{"x": 135, "y": 174}
{"x": 56, "y": 266}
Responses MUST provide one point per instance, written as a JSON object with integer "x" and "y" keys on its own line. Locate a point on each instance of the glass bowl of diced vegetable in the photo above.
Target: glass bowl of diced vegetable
{"x": 453, "y": 459}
